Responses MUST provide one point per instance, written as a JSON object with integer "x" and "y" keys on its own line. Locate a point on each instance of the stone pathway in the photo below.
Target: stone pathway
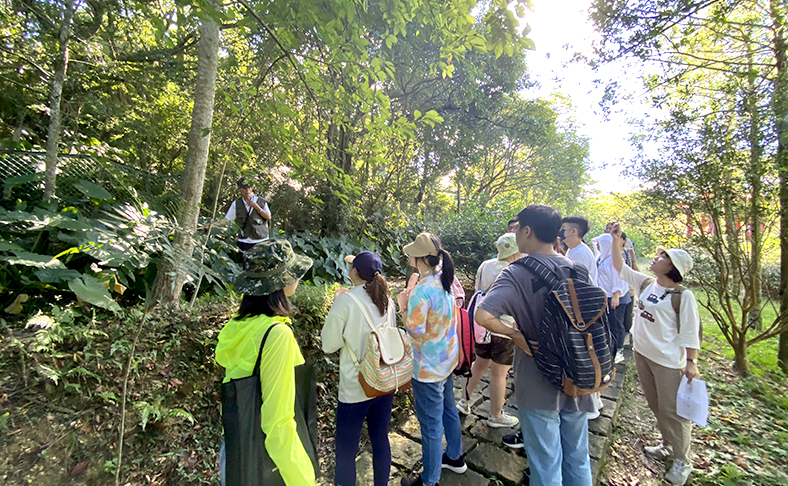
{"x": 487, "y": 458}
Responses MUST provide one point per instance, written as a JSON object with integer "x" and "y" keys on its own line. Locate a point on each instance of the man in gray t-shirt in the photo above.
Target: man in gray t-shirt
{"x": 554, "y": 425}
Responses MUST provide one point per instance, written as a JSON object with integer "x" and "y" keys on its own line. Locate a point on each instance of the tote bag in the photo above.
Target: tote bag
{"x": 247, "y": 461}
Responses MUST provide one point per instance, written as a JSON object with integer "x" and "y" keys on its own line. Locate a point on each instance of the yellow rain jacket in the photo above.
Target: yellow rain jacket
{"x": 239, "y": 343}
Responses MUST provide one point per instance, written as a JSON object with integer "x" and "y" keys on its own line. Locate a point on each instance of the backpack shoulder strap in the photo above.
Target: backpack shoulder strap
{"x": 645, "y": 284}
{"x": 370, "y": 322}
{"x": 539, "y": 269}
{"x": 580, "y": 272}
{"x": 256, "y": 371}
{"x": 364, "y": 310}
{"x": 675, "y": 301}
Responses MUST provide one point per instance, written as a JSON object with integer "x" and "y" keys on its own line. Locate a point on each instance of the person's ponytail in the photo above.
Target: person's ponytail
{"x": 447, "y": 274}
{"x": 378, "y": 291}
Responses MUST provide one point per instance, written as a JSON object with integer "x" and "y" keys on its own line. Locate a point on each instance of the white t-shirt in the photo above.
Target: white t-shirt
{"x": 485, "y": 276}
{"x": 345, "y": 325}
{"x": 654, "y": 330}
{"x": 487, "y": 273}
{"x": 231, "y": 216}
{"x": 583, "y": 254}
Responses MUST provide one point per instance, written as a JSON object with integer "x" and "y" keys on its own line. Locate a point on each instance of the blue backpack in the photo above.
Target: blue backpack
{"x": 574, "y": 347}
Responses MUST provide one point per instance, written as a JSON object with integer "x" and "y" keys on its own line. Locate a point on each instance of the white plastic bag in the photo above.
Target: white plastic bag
{"x": 692, "y": 401}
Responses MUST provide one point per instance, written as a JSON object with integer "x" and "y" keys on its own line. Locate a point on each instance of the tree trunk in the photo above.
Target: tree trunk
{"x": 740, "y": 361}
{"x": 171, "y": 275}
{"x": 20, "y": 125}
{"x": 335, "y": 214}
{"x": 780, "y": 109}
{"x": 53, "y": 132}
{"x": 755, "y": 287}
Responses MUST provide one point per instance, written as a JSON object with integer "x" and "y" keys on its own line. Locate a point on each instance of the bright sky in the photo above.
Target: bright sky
{"x": 561, "y": 29}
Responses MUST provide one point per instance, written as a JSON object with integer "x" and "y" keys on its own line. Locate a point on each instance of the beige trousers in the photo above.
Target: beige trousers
{"x": 661, "y": 386}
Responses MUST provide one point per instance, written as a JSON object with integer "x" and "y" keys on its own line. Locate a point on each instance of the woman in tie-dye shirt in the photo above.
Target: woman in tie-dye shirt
{"x": 428, "y": 312}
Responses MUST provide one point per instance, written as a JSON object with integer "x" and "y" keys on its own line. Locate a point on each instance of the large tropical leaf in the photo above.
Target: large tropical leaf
{"x": 92, "y": 291}
{"x": 55, "y": 275}
{"x": 33, "y": 260}
{"x": 93, "y": 191}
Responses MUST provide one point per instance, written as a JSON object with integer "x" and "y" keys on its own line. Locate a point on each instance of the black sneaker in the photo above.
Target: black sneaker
{"x": 454, "y": 465}
{"x": 413, "y": 480}
{"x": 514, "y": 441}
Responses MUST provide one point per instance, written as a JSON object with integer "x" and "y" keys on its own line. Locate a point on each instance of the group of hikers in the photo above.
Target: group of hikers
{"x": 508, "y": 309}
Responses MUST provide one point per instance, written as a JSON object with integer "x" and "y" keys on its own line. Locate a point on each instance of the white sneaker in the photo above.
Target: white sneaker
{"x": 464, "y": 407}
{"x": 598, "y": 401}
{"x": 659, "y": 452}
{"x": 679, "y": 473}
{"x": 593, "y": 415}
{"x": 505, "y": 420}
{"x": 619, "y": 357}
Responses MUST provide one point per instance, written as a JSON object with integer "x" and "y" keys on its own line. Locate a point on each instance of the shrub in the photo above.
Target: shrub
{"x": 470, "y": 235}
{"x": 311, "y": 302}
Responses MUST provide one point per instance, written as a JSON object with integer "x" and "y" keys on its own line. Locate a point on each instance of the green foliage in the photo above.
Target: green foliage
{"x": 328, "y": 253}
{"x": 312, "y": 302}
{"x": 97, "y": 260}
{"x": 470, "y": 235}
{"x": 157, "y": 412}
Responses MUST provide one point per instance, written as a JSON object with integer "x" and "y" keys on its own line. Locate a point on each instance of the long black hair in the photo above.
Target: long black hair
{"x": 273, "y": 304}
{"x": 447, "y": 274}
{"x": 378, "y": 291}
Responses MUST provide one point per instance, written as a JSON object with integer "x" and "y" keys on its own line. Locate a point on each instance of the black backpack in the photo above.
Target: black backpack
{"x": 574, "y": 347}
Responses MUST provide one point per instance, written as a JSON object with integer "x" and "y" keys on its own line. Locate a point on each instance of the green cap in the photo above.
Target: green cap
{"x": 270, "y": 266}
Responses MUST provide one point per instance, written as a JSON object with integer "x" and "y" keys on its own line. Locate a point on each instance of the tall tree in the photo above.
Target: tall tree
{"x": 738, "y": 33}
{"x": 53, "y": 132}
{"x": 172, "y": 273}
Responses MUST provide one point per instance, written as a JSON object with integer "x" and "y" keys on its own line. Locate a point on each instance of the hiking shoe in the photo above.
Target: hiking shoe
{"x": 679, "y": 473}
{"x": 514, "y": 441}
{"x": 505, "y": 420}
{"x": 659, "y": 452}
{"x": 412, "y": 480}
{"x": 455, "y": 465}
{"x": 619, "y": 357}
{"x": 464, "y": 407}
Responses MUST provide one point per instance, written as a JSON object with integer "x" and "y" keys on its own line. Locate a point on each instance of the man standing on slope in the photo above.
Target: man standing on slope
{"x": 251, "y": 214}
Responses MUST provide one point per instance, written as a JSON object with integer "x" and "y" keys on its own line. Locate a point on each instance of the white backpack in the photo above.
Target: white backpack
{"x": 387, "y": 364}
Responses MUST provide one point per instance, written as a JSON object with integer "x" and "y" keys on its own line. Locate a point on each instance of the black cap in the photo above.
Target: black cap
{"x": 243, "y": 183}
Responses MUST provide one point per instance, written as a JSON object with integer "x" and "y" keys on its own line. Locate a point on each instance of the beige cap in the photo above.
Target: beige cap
{"x": 507, "y": 246}
{"x": 421, "y": 246}
{"x": 680, "y": 259}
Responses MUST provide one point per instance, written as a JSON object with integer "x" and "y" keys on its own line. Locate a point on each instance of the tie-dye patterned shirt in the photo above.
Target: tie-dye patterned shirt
{"x": 430, "y": 324}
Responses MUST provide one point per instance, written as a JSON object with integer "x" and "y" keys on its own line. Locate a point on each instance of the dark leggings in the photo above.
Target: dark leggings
{"x": 616, "y": 318}
{"x": 350, "y": 418}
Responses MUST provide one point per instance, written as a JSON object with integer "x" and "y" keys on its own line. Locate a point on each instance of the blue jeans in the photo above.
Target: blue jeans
{"x": 556, "y": 444}
{"x": 437, "y": 415}
{"x": 350, "y": 418}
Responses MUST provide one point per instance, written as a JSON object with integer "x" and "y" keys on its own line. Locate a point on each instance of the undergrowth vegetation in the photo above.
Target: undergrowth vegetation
{"x": 60, "y": 389}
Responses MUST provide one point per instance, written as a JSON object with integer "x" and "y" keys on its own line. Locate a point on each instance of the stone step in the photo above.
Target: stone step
{"x": 406, "y": 452}
{"x": 468, "y": 478}
{"x": 494, "y": 461}
{"x": 365, "y": 475}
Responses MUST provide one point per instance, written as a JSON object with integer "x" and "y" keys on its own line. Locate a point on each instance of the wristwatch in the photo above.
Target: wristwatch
{"x": 693, "y": 360}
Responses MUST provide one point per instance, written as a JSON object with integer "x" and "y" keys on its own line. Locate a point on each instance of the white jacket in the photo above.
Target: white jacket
{"x": 346, "y": 325}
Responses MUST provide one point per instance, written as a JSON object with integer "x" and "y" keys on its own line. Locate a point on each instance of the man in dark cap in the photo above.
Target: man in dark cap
{"x": 251, "y": 214}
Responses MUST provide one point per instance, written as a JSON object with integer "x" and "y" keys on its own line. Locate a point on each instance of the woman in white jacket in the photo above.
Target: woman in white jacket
{"x": 346, "y": 326}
